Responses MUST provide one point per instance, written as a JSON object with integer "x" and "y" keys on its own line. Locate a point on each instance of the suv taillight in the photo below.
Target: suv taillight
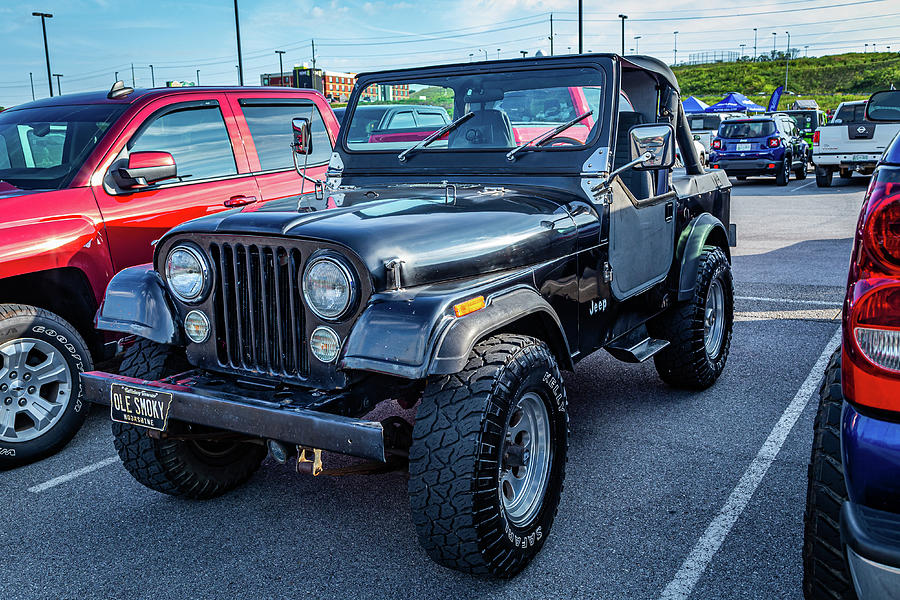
{"x": 774, "y": 142}
{"x": 816, "y": 137}
{"x": 717, "y": 144}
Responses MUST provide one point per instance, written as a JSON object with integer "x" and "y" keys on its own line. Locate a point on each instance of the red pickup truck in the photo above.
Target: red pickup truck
{"x": 88, "y": 182}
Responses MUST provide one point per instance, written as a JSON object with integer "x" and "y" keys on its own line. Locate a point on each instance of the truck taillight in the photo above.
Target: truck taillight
{"x": 717, "y": 144}
{"x": 880, "y": 223}
{"x": 774, "y": 142}
{"x": 816, "y": 137}
{"x": 880, "y": 346}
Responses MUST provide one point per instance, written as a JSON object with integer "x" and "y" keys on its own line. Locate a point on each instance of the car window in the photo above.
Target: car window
{"x": 851, "y": 113}
{"x": 746, "y": 129}
{"x": 270, "y": 126}
{"x": 431, "y": 119}
{"x": 195, "y": 136}
{"x": 402, "y": 120}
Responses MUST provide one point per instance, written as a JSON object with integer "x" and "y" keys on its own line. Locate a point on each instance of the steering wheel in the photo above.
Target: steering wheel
{"x": 562, "y": 140}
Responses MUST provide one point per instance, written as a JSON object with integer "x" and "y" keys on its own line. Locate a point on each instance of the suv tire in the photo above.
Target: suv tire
{"x": 506, "y": 407}
{"x": 699, "y": 329}
{"x": 825, "y": 572}
{"x": 824, "y": 175}
{"x": 783, "y": 176}
{"x": 38, "y": 346}
{"x": 195, "y": 469}
{"x": 800, "y": 172}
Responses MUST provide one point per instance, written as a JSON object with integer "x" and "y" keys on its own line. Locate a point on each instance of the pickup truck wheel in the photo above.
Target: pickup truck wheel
{"x": 824, "y": 176}
{"x": 196, "y": 468}
{"x": 41, "y": 405}
{"x": 825, "y": 572}
{"x": 783, "y": 176}
{"x": 488, "y": 457}
{"x": 698, "y": 330}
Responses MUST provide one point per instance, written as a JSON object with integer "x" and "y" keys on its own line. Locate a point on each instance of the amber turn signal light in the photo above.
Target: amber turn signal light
{"x": 469, "y": 306}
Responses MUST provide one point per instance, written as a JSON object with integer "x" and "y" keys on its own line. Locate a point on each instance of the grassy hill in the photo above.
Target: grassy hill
{"x": 828, "y": 79}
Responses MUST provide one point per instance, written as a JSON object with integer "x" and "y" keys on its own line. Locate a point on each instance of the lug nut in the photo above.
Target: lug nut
{"x": 26, "y": 376}
{"x": 21, "y": 401}
{"x": 7, "y": 401}
{"x": 3, "y": 387}
{"x": 31, "y": 389}
{"x": 12, "y": 375}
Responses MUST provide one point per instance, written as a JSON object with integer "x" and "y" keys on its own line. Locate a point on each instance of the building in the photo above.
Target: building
{"x": 338, "y": 85}
{"x": 334, "y": 85}
{"x": 385, "y": 93}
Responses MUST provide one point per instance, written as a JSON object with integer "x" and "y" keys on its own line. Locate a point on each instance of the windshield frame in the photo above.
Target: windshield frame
{"x": 481, "y": 159}
{"x": 111, "y": 114}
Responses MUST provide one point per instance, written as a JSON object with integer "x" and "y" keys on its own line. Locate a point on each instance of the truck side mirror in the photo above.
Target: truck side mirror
{"x": 884, "y": 106}
{"x": 302, "y": 143}
{"x": 655, "y": 139}
{"x": 146, "y": 168}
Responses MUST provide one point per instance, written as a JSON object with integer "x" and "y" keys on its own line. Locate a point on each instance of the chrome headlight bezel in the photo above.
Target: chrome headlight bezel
{"x": 206, "y": 279}
{"x": 352, "y": 285}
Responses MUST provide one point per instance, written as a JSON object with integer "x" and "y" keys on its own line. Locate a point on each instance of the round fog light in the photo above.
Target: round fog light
{"x": 324, "y": 344}
{"x": 196, "y": 326}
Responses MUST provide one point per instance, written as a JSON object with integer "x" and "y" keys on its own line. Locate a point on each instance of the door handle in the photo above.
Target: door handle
{"x": 670, "y": 211}
{"x": 239, "y": 200}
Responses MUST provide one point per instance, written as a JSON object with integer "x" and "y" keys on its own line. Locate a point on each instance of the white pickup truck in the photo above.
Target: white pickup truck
{"x": 849, "y": 143}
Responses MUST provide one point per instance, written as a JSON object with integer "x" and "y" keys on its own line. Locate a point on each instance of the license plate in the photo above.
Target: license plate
{"x": 743, "y": 147}
{"x": 861, "y": 158}
{"x": 137, "y": 406}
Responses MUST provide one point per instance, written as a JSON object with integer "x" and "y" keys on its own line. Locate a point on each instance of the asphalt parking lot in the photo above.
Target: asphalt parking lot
{"x": 668, "y": 495}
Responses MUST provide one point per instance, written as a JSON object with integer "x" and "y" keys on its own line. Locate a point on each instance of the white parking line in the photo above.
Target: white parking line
{"x": 70, "y": 476}
{"x": 800, "y": 187}
{"x": 702, "y": 554}
{"x": 789, "y": 301}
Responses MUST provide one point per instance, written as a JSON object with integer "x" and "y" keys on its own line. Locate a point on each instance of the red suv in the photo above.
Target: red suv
{"x": 88, "y": 182}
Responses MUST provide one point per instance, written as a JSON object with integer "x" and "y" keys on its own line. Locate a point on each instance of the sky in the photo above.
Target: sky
{"x": 90, "y": 40}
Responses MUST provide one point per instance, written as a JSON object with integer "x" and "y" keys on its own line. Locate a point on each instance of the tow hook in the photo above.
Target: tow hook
{"x": 305, "y": 465}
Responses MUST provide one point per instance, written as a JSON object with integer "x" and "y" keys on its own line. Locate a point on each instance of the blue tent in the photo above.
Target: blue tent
{"x": 735, "y": 102}
{"x": 692, "y": 105}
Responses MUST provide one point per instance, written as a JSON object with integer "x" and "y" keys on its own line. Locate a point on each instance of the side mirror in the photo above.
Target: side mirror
{"x": 655, "y": 139}
{"x": 884, "y": 106}
{"x": 302, "y": 143}
{"x": 146, "y": 168}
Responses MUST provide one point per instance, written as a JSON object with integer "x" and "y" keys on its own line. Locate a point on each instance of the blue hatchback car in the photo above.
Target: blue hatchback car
{"x": 770, "y": 145}
{"x": 851, "y": 546}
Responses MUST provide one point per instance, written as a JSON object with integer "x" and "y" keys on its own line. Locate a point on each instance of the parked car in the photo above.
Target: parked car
{"x": 397, "y": 122}
{"x": 706, "y": 126}
{"x": 767, "y": 145}
{"x": 460, "y": 273}
{"x": 850, "y": 143}
{"x": 89, "y": 183}
{"x": 807, "y": 120}
{"x": 852, "y": 524}
{"x": 701, "y": 151}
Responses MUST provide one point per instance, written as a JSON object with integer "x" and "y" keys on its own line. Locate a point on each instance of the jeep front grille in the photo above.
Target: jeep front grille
{"x": 258, "y": 310}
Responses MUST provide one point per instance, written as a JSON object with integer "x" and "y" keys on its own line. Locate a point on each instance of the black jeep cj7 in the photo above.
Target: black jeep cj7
{"x": 460, "y": 268}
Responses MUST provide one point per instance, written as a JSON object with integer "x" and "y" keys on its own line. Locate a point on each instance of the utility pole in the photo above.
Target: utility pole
{"x": 198, "y": 77}
{"x": 58, "y": 89}
{"x": 675, "y": 62}
{"x": 787, "y": 63}
{"x": 742, "y": 51}
{"x": 754, "y": 44}
{"x": 152, "y": 77}
{"x": 636, "y": 47}
{"x": 551, "y": 34}
{"x": 280, "y": 54}
{"x": 314, "y": 53}
{"x": 774, "y": 40}
{"x": 623, "y": 17}
{"x": 44, "y": 17}
{"x": 237, "y": 30}
{"x": 132, "y": 75}
{"x": 580, "y": 27}
{"x": 31, "y": 78}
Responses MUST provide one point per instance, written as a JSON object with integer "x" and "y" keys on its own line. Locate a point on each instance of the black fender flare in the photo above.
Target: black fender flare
{"x": 137, "y": 303}
{"x": 702, "y": 230}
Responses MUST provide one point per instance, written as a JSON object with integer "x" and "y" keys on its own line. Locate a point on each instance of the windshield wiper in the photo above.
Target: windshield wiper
{"x": 435, "y": 135}
{"x": 511, "y": 155}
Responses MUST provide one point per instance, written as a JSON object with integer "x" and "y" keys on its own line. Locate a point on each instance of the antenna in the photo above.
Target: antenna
{"x": 119, "y": 90}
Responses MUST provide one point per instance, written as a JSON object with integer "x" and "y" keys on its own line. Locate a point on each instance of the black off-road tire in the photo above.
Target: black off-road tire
{"x": 824, "y": 175}
{"x": 685, "y": 363}
{"x": 455, "y": 456}
{"x": 825, "y": 571}
{"x": 23, "y": 321}
{"x": 800, "y": 172}
{"x": 187, "y": 468}
{"x": 783, "y": 176}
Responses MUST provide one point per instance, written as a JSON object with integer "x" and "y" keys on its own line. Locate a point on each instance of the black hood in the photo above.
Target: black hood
{"x": 483, "y": 230}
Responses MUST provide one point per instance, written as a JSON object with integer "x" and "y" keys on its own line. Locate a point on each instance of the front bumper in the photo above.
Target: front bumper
{"x": 260, "y": 413}
{"x": 872, "y": 539}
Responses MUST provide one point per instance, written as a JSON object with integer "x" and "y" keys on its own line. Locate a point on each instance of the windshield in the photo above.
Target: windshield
{"x": 806, "y": 120}
{"x": 43, "y": 148}
{"x": 746, "y": 129}
{"x": 508, "y": 108}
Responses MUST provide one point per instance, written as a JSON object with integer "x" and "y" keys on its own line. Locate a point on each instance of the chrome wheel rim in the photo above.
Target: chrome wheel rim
{"x": 35, "y": 388}
{"x": 714, "y": 318}
{"x": 525, "y": 461}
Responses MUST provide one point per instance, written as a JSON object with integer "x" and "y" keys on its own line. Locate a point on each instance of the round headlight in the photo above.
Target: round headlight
{"x": 324, "y": 344}
{"x": 196, "y": 326}
{"x": 328, "y": 288}
{"x": 186, "y": 272}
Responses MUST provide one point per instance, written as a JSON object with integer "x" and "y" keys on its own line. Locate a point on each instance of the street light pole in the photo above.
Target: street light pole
{"x": 44, "y": 17}
{"x": 498, "y": 53}
{"x": 58, "y": 89}
{"x": 580, "y": 27}
{"x": 524, "y": 53}
{"x": 742, "y": 51}
{"x": 675, "y": 51}
{"x": 551, "y": 34}
{"x": 237, "y": 30}
{"x": 774, "y": 40}
{"x": 280, "y": 53}
{"x": 754, "y": 44}
{"x": 132, "y": 75}
{"x": 152, "y": 77}
{"x": 636, "y": 46}
{"x": 198, "y": 77}
{"x": 787, "y": 63}
{"x": 623, "y": 17}
{"x": 31, "y": 78}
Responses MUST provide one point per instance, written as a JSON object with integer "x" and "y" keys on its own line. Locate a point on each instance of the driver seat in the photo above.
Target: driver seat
{"x": 488, "y": 128}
